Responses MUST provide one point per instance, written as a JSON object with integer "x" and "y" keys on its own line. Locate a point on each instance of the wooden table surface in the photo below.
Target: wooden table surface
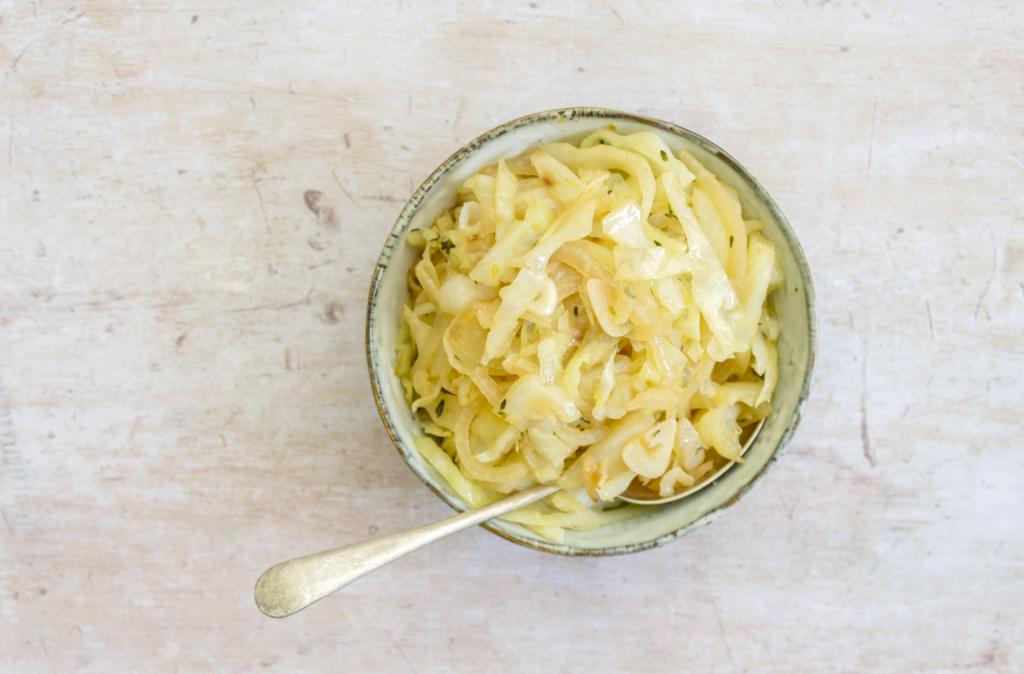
{"x": 183, "y": 390}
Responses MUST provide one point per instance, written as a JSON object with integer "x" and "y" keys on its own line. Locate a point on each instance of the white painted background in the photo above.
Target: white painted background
{"x": 183, "y": 388}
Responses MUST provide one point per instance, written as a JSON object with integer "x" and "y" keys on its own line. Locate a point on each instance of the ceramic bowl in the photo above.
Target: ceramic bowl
{"x": 797, "y": 344}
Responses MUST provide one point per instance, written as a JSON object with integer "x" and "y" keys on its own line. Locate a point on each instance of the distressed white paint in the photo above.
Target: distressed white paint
{"x": 184, "y": 399}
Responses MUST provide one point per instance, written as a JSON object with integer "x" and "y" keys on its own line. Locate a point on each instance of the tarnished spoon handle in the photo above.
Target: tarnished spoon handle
{"x": 293, "y": 585}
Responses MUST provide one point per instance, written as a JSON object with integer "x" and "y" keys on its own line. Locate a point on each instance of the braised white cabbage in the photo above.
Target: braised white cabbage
{"x": 596, "y": 316}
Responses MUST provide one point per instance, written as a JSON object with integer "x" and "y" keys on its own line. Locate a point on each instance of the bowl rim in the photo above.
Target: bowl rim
{"x": 761, "y": 194}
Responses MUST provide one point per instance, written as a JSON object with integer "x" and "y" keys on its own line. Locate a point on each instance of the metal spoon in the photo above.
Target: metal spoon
{"x": 291, "y": 586}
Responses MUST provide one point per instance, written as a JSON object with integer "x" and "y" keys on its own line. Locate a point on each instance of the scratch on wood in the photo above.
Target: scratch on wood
{"x": 20, "y": 54}
{"x": 978, "y": 307}
{"x": 401, "y": 652}
{"x": 6, "y": 522}
{"x": 1012, "y": 352}
{"x": 785, "y": 506}
{"x": 931, "y": 330}
{"x": 721, "y": 629}
{"x": 74, "y": 18}
{"x": 131, "y": 434}
{"x": 265, "y": 307}
{"x": 262, "y": 207}
{"x": 458, "y": 113}
{"x": 865, "y": 435}
{"x": 262, "y": 307}
{"x": 871, "y": 143}
{"x": 342, "y": 187}
{"x": 999, "y": 149}
{"x": 608, "y": 5}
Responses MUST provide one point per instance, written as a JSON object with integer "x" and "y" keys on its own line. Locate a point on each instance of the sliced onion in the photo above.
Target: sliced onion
{"x": 474, "y": 467}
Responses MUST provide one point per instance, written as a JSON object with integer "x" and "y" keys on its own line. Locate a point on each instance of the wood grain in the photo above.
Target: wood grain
{"x": 183, "y": 389}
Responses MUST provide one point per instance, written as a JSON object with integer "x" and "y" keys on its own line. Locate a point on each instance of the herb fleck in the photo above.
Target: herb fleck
{"x": 664, "y": 156}
{"x": 585, "y": 420}
{"x": 730, "y": 242}
{"x": 629, "y": 291}
{"x": 658, "y": 244}
{"x": 659, "y": 430}
{"x": 575, "y": 311}
{"x": 503, "y": 404}
{"x": 444, "y": 244}
{"x": 601, "y": 141}
{"x": 440, "y": 408}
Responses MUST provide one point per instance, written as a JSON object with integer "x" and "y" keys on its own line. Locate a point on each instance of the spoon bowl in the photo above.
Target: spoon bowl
{"x": 641, "y": 495}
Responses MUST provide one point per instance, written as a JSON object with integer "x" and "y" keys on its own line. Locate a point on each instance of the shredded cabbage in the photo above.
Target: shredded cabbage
{"x": 594, "y": 316}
